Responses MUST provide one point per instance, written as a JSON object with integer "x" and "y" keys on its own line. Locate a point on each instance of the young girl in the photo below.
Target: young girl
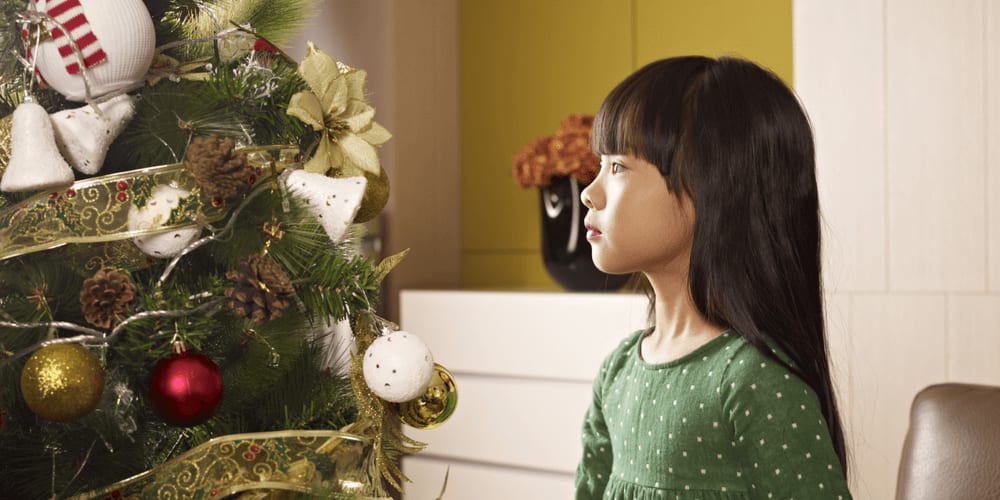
{"x": 707, "y": 187}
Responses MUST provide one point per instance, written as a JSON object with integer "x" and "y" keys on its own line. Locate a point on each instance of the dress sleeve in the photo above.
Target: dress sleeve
{"x": 779, "y": 432}
{"x": 595, "y": 465}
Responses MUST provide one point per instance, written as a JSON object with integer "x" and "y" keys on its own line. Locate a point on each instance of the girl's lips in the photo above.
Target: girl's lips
{"x": 592, "y": 233}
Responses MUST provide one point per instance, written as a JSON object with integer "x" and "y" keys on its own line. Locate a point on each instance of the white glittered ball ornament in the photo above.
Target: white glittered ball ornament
{"x": 398, "y": 367}
{"x": 116, "y": 39}
{"x": 155, "y": 214}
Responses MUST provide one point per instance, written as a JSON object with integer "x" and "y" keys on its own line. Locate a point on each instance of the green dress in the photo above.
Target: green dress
{"x": 723, "y": 422}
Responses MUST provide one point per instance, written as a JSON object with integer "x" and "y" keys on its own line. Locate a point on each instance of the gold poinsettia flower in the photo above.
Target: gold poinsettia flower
{"x": 335, "y": 105}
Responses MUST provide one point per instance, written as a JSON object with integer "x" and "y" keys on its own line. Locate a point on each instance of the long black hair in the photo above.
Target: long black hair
{"x": 732, "y": 137}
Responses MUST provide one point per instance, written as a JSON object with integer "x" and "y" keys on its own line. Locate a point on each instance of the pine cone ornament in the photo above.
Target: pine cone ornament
{"x": 219, "y": 172}
{"x": 262, "y": 290}
{"x": 106, "y": 296}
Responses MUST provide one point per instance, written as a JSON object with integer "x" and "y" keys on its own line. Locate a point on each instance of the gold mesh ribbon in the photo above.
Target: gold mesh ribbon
{"x": 378, "y": 418}
{"x": 328, "y": 463}
{"x": 96, "y": 210}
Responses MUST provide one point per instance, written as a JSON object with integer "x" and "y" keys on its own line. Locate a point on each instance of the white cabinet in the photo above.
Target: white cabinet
{"x": 524, "y": 364}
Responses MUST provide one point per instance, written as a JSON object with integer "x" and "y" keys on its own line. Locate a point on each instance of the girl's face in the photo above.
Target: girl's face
{"x": 635, "y": 224}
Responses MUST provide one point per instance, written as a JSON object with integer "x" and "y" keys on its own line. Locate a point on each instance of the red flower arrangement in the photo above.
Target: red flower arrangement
{"x": 567, "y": 153}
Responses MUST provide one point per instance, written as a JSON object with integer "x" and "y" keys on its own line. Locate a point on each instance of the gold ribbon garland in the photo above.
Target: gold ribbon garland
{"x": 96, "y": 210}
{"x": 310, "y": 461}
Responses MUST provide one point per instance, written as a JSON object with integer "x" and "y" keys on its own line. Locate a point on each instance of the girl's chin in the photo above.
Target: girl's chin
{"x": 608, "y": 268}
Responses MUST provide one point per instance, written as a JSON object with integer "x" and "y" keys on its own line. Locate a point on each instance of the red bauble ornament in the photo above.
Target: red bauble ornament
{"x": 186, "y": 388}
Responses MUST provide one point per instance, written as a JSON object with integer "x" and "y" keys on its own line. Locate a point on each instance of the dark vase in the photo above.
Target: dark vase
{"x": 565, "y": 249}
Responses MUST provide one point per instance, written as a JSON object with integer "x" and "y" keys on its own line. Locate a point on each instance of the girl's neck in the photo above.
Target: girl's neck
{"x": 680, "y": 328}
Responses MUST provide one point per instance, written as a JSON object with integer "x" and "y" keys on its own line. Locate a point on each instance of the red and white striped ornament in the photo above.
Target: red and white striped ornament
{"x": 69, "y": 14}
{"x": 115, "y": 40}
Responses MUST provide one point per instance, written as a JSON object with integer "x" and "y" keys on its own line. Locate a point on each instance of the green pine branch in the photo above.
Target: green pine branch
{"x": 166, "y": 118}
{"x": 275, "y": 374}
{"x": 10, "y": 38}
{"x": 259, "y": 87}
{"x": 274, "y": 21}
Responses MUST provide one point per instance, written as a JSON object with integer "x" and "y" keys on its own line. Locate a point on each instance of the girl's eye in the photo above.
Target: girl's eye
{"x": 617, "y": 167}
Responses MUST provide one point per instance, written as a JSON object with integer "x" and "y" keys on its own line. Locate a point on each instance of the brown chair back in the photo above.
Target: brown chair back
{"x": 952, "y": 449}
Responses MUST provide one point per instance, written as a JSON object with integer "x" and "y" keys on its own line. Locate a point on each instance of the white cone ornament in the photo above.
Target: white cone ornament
{"x": 35, "y": 163}
{"x": 334, "y": 202}
{"x": 83, "y": 135}
{"x": 155, "y": 214}
{"x": 398, "y": 367}
{"x": 116, "y": 40}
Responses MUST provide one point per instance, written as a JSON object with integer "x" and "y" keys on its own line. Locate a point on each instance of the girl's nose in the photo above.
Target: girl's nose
{"x": 589, "y": 194}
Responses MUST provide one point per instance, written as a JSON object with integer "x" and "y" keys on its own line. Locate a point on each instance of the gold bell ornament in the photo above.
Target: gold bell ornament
{"x": 435, "y": 406}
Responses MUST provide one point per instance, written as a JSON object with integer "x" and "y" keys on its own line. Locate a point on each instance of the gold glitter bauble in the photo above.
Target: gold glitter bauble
{"x": 62, "y": 382}
{"x": 435, "y": 406}
{"x": 376, "y": 196}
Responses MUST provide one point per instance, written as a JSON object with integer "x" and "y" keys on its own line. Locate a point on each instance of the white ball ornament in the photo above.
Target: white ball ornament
{"x": 124, "y": 31}
{"x": 155, "y": 214}
{"x": 398, "y": 367}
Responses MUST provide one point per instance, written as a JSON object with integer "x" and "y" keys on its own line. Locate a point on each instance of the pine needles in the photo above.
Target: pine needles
{"x": 276, "y": 374}
{"x": 194, "y": 20}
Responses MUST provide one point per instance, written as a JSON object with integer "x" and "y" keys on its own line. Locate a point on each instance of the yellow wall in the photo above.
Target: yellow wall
{"x": 527, "y": 64}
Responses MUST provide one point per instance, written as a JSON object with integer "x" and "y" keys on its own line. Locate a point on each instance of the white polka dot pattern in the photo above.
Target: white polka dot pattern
{"x": 737, "y": 426}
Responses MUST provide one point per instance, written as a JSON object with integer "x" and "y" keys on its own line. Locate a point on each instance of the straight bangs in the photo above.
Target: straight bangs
{"x": 617, "y": 129}
{"x": 647, "y": 114}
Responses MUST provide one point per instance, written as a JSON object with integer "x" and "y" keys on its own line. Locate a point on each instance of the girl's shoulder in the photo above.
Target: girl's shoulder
{"x": 631, "y": 340}
{"x": 625, "y": 348}
{"x": 619, "y": 357}
{"x": 743, "y": 354}
{"x": 749, "y": 368}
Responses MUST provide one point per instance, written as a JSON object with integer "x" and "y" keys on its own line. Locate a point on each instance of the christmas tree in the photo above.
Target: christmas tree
{"x": 183, "y": 309}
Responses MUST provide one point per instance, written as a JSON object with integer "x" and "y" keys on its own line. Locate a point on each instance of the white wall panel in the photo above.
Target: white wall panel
{"x": 478, "y": 482}
{"x": 839, "y": 76}
{"x": 515, "y": 422}
{"x": 974, "y": 339}
{"x": 992, "y": 59}
{"x": 549, "y": 335}
{"x": 936, "y": 145}
{"x": 524, "y": 365}
{"x": 898, "y": 343}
